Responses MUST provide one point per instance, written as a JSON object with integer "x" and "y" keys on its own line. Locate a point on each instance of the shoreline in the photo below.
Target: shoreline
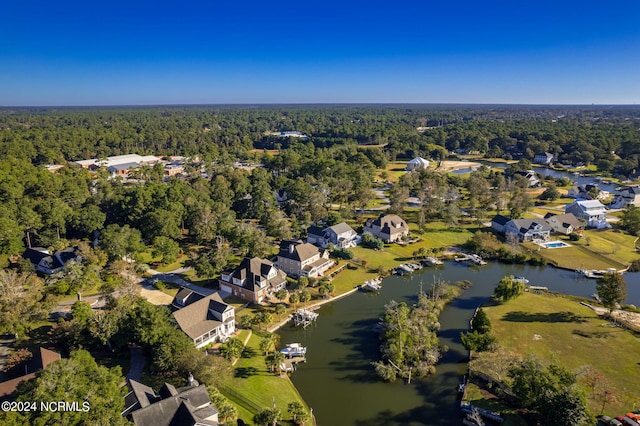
{"x": 313, "y": 306}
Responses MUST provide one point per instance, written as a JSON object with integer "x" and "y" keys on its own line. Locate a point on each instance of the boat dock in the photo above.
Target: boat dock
{"x": 289, "y": 364}
{"x": 304, "y": 317}
{"x": 473, "y": 258}
{"x": 536, "y": 288}
{"x": 372, "y": 285}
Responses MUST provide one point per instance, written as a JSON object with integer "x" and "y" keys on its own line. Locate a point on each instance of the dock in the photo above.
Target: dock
{"x": 289, "y": 364}
{"x": 536, "y": 288}
{"x": 304, "y": 317}
{"x": 473, "y": 258}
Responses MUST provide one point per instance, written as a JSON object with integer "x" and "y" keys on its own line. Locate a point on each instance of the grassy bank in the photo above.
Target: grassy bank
{"x": 254, "y": 388}
{"x": 561, "y": 331}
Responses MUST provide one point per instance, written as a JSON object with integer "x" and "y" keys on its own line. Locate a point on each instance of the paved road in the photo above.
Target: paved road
{"x": 137, "y": 363}
{"x": 175, "y": 278}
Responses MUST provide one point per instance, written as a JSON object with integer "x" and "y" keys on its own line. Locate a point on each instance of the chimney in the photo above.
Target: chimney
{"x": 291, "y": 247}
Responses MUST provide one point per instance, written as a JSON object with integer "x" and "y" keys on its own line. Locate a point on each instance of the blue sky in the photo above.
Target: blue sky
{"x": 238, "y": 51}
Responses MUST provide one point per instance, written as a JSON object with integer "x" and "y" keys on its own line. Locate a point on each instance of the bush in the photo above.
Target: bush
{"x": 343, "y": 254}
{"x": 479, "y": 342}
{"x": 370, "y": 241}
{"x": 574, "y": 237}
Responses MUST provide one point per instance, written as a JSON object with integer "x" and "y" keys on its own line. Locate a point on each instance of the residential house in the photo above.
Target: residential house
{"x": 302, "y": 259}
{"x": 39, "y": 361}
{"x": 625, "y": 197}
{"x": 543, "y": 158}
{"x": 593, "y": 212}
{"x": 389, "y": 228}
{"x": 564, "y": 223}
{"x": 498, "y": 222}
{"x": 186, "y": 406}
{"x": 340, "y": 235}
{"x": 530, "y": 176}
{"x": 417, "y": 164}
{"x": 587, "y": 192}
{"x": 185, "y": 297}
{"x": 253, "y": 280}
{"x": 528, "y": 229}
{"x": 207, "y": 320}
{"x": 45, "y": 262}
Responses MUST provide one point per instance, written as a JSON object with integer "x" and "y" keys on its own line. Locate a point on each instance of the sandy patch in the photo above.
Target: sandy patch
{"x": 449, "y": 166}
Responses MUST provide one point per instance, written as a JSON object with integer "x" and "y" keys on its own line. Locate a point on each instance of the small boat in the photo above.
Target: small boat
{"x": 521, "y": 280}
{"x": 432, "y": 261}
{"x": 293, "y": 349}
{"x": 372, "y": 285}
{"x": 404, "y": 269}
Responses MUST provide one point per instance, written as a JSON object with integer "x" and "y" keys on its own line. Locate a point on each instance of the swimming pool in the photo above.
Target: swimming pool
{"x": 554, "y": 244}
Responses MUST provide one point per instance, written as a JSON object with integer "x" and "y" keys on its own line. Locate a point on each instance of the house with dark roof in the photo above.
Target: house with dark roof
{"x": 186, "y": 406}
{"x": 498, "y": 222}
{"x": 185, "y": 297}
{"x": 528, "y": 229}
{"x": 564, "y": 223}
{"x": 207, "y": 320}
{"x": 45, "y": 262}
{"x": 302, "y": 259}
{"x": 625, "y": 197}
{"x": 340, "y": 235}
{"x": 389, "y": 228}
{"x": 39, "y": 361}
{"x": 593, "y": 212}
{"x": 530, "y": 176}
{"x": 543, "y": 158}
{"x": 253, "y": 280}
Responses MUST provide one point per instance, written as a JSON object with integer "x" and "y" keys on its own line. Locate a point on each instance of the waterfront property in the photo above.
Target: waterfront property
{"x": 389, "y": 228}
{"x": 303, "y": 259}
{"x": 207, "y": 320}
{"x": 253, "y": 280}
{"x": 564, "y": 223}
{"x": 553, "y": 244}
{"x": 189, "y": 405}
{"x": 593, "y": 212}
{"x": 625, "y": 197}
{"x": 528, "y": 229}
{"x": 543, "y": 158}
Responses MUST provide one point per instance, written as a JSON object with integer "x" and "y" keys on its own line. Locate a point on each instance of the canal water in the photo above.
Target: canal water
{"x": 338, "y": 381}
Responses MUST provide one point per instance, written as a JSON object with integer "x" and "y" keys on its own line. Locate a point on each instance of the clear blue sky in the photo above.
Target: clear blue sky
{"x": 305, "y": 51}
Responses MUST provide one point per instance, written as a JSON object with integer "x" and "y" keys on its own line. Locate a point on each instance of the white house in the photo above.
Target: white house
{"x": 528, "y": 229}
{"x": 417, "y": 163}
{"x": 340, "y": 235}
{"x": 625, "y": 197}
{"x": 207, "y": 320}
{"x": 593, "y": 212}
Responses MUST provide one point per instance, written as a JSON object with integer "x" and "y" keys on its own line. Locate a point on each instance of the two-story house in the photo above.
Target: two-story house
{"x": 389, "y": 228}
{"x": 593, "y": 212}
{"x": 543, "y": 158}
{"x": 340, "y": 235}
{"x": 564, "y": 223}
{"x": 207, "y": 320}
{"x": 625, "y": 197}
{"x": 45, "y": 262}
{"x": 303, "y": 259}
{"x": 253, "y": 280}
{"x": 528, "y": 229}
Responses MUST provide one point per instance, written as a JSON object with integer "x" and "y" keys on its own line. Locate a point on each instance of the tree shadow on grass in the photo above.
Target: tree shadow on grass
{"x": 593, "y": 334}
{"x": 246, "y": 372}
{"x": 520, "y": 316}
{"x": 248, "y": 352}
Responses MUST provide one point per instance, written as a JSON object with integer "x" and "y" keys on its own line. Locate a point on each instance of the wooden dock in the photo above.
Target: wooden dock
{"x": 289, "y": 364}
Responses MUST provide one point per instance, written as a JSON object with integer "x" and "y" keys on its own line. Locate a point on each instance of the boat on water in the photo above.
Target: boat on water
{"x": 432, "y": 261}
{"x": 372, "y": 285}
{"x": 404, "y": 269}
{"x": 521, "y": 280}
{"x": 293, "y": 349}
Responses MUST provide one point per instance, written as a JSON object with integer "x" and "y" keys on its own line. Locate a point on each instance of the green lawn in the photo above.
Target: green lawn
{"x": 254, "y": 388}
{"x": 599, "y": 249}
{"x": 481, "y": 399}
{"x": 562, "y": 331}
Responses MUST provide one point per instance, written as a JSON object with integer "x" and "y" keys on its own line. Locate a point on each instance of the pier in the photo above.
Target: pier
{"x": 304, "y": 317}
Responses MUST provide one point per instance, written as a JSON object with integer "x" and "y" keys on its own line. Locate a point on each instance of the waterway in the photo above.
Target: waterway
{"x": 338, "y": 381}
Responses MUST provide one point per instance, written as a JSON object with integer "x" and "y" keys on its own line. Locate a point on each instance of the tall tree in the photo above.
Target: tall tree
{"x": 612, "y": 289}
